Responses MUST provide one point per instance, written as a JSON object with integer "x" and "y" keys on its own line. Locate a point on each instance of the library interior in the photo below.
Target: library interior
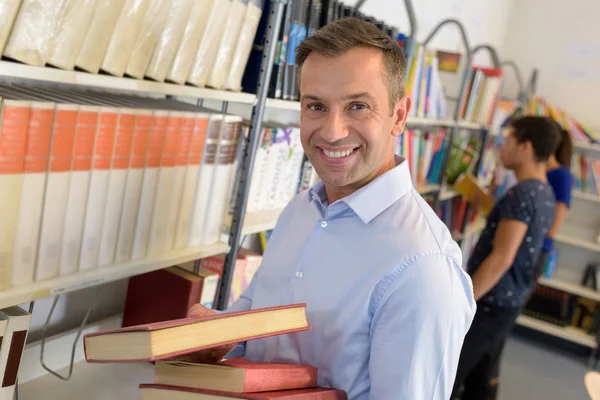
{"x": 198, "y": 199}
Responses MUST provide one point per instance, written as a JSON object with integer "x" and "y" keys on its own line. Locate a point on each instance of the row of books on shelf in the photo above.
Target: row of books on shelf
{"x": 481, "y": 96}
{"x": 198, "y": 42}
{"x": 185, "y": 366}
{"x": 424, "y": 86}
{"x": 93, "y": 180}
{"x": 564, "y": 309}
{"x": 586, "y": 173}
{"x": 301, "y": 19}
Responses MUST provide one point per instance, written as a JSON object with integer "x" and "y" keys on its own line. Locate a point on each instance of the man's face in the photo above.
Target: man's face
{"x": 347, "y": 125}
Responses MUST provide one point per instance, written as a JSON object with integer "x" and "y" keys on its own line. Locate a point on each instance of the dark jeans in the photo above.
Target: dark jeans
{"x": 479, "y": 364}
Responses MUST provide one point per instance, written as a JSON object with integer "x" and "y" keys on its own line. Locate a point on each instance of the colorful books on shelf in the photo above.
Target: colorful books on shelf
{"x": 203, "y": 43}
{"x": 423, "y": 153}
{"x": 301, "y": 18}
{"x": 277, "y": 171}
{"x": 103, "y": 179}
{"x": 424, "y": 86}
{"x": 481, "y": 96}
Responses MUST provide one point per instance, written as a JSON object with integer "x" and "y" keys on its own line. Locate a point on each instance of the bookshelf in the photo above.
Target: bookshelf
{"x": 81, "y": 280}
{"x": 568, "y": 333}
{"x": 569, "y": 287}
{"x": 576, "y": 242}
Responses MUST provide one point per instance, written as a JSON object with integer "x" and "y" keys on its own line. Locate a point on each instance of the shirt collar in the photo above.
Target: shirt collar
{"x": 374, "y": 198}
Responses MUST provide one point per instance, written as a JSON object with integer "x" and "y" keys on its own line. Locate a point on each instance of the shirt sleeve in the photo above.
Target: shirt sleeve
{"x": 518, "y": 205}
{"x": 418, "y": 328}
{"x": 562, "y": 188}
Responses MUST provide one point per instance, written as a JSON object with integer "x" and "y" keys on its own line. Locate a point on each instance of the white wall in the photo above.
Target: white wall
{"x": 562, "y": 39}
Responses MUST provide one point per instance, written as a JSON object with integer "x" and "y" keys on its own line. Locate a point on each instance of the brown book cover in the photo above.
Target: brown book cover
{"x": 176, "y": 338}
{"x": 236, "y": 375}
{"x": 161, "y": 295}
{"x": 149, "y": 392}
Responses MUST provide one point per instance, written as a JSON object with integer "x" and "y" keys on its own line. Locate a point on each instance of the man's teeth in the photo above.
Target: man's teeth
{"x": 337, "y": 154}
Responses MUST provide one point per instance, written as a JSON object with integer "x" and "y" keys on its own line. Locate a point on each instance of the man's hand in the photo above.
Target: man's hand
{"x": 208, "y": 356}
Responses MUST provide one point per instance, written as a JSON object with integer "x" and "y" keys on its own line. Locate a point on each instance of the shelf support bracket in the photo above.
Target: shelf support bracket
{"x": 517, "y": 71}
{"x": 75, "y": 342}
{"x": 491, "y": 50}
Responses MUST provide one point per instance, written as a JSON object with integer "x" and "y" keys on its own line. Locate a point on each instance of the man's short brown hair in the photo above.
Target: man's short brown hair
{"x": 346, "y": 34}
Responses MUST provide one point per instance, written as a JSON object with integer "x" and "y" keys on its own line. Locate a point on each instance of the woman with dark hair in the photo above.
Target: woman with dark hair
{"x": 560, "y": 179}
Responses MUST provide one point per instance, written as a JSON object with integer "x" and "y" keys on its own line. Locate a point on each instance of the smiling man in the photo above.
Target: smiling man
{"x": 388, "y": 301}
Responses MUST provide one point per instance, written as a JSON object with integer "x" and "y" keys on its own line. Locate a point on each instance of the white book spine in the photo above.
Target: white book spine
{"x": 133, "y": 188}
{"x": 32, "y": 196}
{"x": 85, "y": 138}
{"x": 181, "y": 163}
{"x": 159, "y": 242}
{"x": 149, "y": 186}
{"x": 14, "y": 126}
{"x": 116, "y": 190}
{"x": 204, "y": 184}
{"x": 8, "y": 14}
{"x": 98, "y": 191}
{"x": 57, "y": 192}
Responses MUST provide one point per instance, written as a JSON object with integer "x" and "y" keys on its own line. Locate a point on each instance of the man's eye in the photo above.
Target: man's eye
{"x": 358, "y": 106}
{"x": 316, "y": 107}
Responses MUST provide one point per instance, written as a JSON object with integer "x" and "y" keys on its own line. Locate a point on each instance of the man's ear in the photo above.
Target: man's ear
{"x": 401, "y": 110}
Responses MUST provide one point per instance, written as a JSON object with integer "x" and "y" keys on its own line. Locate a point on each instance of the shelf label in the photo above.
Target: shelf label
{"x": 76, "y": 286}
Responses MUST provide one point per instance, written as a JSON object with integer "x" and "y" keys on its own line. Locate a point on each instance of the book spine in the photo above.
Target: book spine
{"x": 116, "y": 187}
{"x": 98, "y": 189}
{"x": 182, "y": 161}
{"x": 191, "y": 178}
{"x": 13, "y": 143}
{"x": 148, "y": 196}
{"x": 85, "y": 139}
{"x": 133, "y": 188}
{"x": 164, "y": 191}
{"x": 204, "y": 185}
{"x": 222, "y": 180}
{"x": 57, "y": 191}
{"x": 32, "y": 195}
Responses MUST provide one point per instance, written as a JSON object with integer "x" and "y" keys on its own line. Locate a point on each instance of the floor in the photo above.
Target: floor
{"x": 535, "y": 370}
{"x": 532, "y": 369}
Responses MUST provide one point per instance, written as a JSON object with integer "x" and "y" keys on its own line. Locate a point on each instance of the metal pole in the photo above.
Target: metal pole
{"x": 491, "y": 50}
{"x": 258, "y": 110}
{"x": 518, "y": 75}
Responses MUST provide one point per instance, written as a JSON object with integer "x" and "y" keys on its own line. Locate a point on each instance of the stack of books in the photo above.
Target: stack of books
{"x": 174, "y": 345}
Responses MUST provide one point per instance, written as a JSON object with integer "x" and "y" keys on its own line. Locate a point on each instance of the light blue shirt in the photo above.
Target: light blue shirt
{"x": 386, "y": 296}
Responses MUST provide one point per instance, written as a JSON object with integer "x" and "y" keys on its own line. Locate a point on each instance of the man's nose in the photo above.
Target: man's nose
{"x": 335, "y": 128}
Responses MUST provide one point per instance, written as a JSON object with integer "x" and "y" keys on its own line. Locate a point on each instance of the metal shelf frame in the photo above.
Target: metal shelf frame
{"x": 253, "y": 139}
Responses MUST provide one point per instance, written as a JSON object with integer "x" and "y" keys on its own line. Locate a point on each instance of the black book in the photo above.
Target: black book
{"x": 327, "y": 14}
{"x": 276, "y": 85}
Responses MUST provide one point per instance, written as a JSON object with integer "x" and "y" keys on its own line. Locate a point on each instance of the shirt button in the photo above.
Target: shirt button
{"x": 323, "y": 224}
{"x": 299, "y": 274}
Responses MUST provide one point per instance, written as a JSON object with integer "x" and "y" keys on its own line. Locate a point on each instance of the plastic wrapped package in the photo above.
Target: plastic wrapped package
{"x": 229, "y": 40}
{"x": 8, "y": 14}
{"x": 209, "y": 45}
{"x": 166, "y": 47}
{"x": 192, "y": 36}
{"x": 71, "y": 32}
{"x": 233, "y": 80}
{"x": 152, "y": 30}
{"x": 106, "y": 14}
{"x": 33, "y": 30}
{"x": 123, "y": 38}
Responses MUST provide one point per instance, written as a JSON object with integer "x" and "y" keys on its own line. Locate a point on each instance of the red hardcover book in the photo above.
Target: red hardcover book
{"x": 170, "y": 339}
{"x": 236, "y": 375}
{"x": 161, "y": 295}
{"x": 153, "y": 392}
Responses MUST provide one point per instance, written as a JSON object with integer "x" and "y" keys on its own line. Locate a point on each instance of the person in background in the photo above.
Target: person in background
{"x": 386, "y": 295}
{"x": 502, "y": 263}
{"x": 560, "y": 179}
